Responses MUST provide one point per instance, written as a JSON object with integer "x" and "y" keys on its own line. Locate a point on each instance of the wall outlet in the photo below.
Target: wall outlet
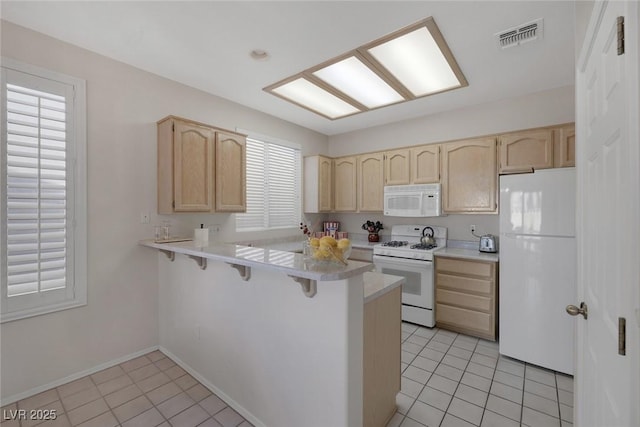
{"x": 144, "y": 218}
{"x": 472, "y": 228}
{"x": 214, "y": 228}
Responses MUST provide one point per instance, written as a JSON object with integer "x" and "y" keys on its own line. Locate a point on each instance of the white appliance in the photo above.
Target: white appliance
{"x": 538, "y": 267}
{"x": 406, "y": 256}
{"x": 412, "y": 200}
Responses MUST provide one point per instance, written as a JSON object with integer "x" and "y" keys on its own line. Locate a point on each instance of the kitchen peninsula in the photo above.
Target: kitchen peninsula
{"x": 278, "y": 338}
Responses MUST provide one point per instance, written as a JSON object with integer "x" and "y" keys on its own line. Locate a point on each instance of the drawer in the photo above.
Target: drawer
{"x": 461, "y": 266}
{"x": 465, "y": 319}
{"x": 464, "y": 284}
{"x": 358, "y": 254}
{"x": 473, "y": 302}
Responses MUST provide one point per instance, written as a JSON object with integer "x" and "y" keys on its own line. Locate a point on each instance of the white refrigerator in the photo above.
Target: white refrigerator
{"x": 538, "y": 267}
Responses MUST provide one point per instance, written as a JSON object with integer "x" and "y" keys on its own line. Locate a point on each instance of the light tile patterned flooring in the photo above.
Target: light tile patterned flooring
{"x": 454, "y": 380}
{"x": 147, "y": 391}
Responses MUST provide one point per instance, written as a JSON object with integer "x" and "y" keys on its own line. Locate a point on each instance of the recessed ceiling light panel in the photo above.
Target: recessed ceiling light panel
{"x": 417, "y": 62}
{"x": 407, "y": 64}
{"x": 358, "y": 81}
{"x": 306, "y": 94}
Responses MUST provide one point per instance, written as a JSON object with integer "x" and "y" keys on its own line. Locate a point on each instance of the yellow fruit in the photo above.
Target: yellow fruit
{"x": 314, "y": 242}
{"x": 329, "y": 240}
{"x": 344, "y": 243}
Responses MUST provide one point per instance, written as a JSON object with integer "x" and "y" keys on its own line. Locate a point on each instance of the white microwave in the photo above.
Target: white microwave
{"x": 421, "y": 200}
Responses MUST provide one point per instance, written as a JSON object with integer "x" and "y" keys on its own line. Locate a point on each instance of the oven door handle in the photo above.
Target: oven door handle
{"x": 400, "y": 261}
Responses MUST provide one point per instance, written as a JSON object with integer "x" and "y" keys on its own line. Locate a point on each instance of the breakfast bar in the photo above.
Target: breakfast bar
{"x": 234, "y": 317}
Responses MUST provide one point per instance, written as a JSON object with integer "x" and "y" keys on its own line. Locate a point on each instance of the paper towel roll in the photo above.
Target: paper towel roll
{"x": 201, "y": 236}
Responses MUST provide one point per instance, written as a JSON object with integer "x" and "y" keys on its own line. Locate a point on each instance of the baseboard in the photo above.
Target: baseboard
{"x": 32, "y": 392}
{"x": 221, "y": 394}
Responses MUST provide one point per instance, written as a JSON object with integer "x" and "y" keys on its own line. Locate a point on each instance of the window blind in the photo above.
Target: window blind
{"x": 273, "y": 187}
{"x": 36, "y": 191}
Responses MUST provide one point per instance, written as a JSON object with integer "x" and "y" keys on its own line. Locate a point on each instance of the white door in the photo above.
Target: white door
{"x": 608, "y": 216}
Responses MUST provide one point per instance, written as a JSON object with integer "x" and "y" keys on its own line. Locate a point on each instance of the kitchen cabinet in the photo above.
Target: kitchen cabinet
{"x": 188, "y": 170}
{"x": 185, "y": 166}
{"x": 425, "y": 164}
{"x": 318, "y": 184}
{"x": 466, "y": 296}
{"x": 345, "y": 181}
{"x": 230, "y": 177}
{"x": 371, "y": 182}
{"x": 396, "y": 167}
{"x": 565, "y": 146}
{"x": 520, "y": 151}
{"x": 381, "y": 362}
{"x": 469, "y": 176}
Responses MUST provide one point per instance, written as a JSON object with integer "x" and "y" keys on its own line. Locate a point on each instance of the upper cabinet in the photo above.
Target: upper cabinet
{"x": 521, "y": 151}
{"x": 371, "y": 182}
{"x": 396, "y": 167}
{"x": 565, "y": 142}
{"x": 345, "y": 181}
{"x": 231, "y": 188}
{"x": 318, "y": 184}
{"x": 186, "y": 168}
{"x": 425, "y": 164}
{"x": 469, "y": 176}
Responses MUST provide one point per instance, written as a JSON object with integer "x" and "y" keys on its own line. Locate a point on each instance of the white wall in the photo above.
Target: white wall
{"x": 278, "y": 357}
{"x": 123, "y": 104}
{"x": 546, "y": 108}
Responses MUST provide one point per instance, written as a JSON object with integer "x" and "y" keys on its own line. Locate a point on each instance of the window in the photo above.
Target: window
{"x": 43, "y": 203}
{"x": 273, "y": 186}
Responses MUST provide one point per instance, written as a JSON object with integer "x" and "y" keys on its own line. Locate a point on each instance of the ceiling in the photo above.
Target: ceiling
{"x": 206, "y": 45}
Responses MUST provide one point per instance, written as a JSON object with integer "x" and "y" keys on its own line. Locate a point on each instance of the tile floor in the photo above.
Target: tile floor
{"x": 453, "y": 380}
{"x": 448, "y": 380}
{"x": 147, "y": 391}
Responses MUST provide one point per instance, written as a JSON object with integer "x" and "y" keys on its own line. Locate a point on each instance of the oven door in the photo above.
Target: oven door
{"x": 418, "y": 288}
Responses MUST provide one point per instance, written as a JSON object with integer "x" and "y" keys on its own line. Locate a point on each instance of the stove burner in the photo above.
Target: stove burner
{"x": 395, "y": 243}
{"x": 422, "y": 246}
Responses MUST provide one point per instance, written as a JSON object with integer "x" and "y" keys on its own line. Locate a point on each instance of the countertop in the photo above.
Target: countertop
{"x": 292, "y": 264}
{"x": 473, "y": 254}
{"x": 378, "y": 284}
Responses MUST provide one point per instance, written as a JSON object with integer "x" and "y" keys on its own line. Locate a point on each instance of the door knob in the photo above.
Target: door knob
{"x": 574, "y": 311}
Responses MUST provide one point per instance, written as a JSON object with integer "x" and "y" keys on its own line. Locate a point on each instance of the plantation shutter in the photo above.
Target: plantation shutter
{"x": 38, "y": 191}
{"x": 273, "y": 187}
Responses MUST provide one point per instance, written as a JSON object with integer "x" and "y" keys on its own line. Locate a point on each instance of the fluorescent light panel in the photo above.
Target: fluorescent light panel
{"x": 355, "y": 79}
{"x": 417, "y": 62}
{"x": 302, "y": 91}
{"x": 405, "y": 65}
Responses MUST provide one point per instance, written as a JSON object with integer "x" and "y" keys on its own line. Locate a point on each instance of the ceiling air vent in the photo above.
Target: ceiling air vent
{"x": 531, "y": 31}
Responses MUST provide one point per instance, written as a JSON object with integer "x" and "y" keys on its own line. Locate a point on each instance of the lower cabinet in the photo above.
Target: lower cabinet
{"x": 381, "y": 364}
{"x": 466, "y": 296}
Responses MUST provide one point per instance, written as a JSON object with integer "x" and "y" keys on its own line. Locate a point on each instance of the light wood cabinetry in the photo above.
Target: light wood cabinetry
{"x": 361, "y": 254}
{"x": 231, "y": 190}
{"x": 371, "y": 182}
{"x": 381, "y": 361}
{"x": 345, "y": 184}
{"x": 469, "y": 176}
{"x": 396, "y": 167}
{"x": 466, "y": 296}
{"x": 318, "y": 184}
{"x": 565, "y": 146}
{"x": 425, "y": 164}
{"x": 524, "y": 150}
{"x": 188, "y": 171}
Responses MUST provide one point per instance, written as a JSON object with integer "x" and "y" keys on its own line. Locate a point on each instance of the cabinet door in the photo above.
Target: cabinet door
{"x": 425, "y": 164}
{"x": 230, "y": 172}
{"x": 371, "y": 182}
{"x": 565, "y": 146}
{"x": 525, "y": 150}
{"x": 325, "y": 184}
{"x": 469, "y": 176}
{"x": 396, "y": 167}
{"x": 345, "y": 184}
{"x": 192, "y": 167}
